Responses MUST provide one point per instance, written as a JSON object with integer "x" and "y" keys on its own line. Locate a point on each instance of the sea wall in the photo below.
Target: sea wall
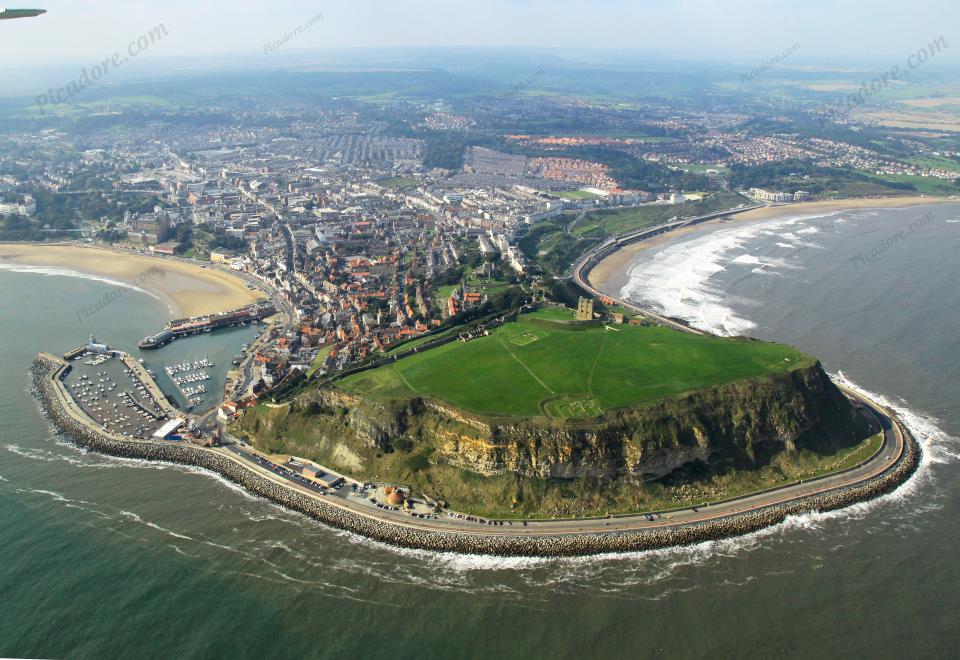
{"x": 48, "y": 391}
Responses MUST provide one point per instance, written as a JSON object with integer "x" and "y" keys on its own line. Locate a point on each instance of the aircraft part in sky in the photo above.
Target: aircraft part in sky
{"x": 20, "y": 13}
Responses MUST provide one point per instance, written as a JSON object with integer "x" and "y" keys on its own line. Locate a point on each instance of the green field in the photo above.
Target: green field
{"x": 924, "y": 184}
{"x": 318, "y": 360}
{"x": 935, "y": 161}
{"x": 400, "y": 182}
{"x": 618, "y": 221}
{"x": 576, "y": 194}
{"x": 529, "y": 368}
{"x": 701, "y": 168}
{"x": 445, "y": 292}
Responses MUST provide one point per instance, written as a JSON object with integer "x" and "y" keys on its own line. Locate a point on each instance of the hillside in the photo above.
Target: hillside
{"x": 539, "y": 418}
{"x": 556, "y": 243}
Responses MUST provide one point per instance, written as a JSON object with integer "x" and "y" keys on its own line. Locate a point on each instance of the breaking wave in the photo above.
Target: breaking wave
{"x": 679, "y": 280}
{"x": 55, "y": 271}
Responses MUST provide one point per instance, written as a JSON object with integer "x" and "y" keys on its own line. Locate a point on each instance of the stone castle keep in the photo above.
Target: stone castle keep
{"x": 585, "y": 309}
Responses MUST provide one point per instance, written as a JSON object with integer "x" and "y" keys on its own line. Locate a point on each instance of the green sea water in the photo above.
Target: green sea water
{"x": 104, "y": 558}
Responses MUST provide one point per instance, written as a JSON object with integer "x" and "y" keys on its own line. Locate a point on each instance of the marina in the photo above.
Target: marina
{"x": 115, "y": 391}
{"x": 181, "y": 367}
{"x": 189, "y": 378}
{"x": 204, "y": 359}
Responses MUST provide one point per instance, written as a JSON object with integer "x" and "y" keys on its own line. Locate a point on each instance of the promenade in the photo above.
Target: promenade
{"x": 580, "y": 271}
{"x": 889, "y": 467}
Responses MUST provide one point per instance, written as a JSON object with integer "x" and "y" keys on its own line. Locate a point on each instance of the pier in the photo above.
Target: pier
{"x": 889, "y": 468}
{"x": 196, "y": 325}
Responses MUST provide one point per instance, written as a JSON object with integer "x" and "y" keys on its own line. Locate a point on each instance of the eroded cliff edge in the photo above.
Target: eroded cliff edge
{"x": 742, "y": 425}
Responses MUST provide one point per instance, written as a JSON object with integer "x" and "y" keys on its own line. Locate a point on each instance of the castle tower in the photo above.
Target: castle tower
{"x": 585, "y": 309}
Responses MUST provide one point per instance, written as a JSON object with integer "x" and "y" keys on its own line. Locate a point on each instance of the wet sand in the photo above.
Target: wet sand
{"x": 186, "y": 289}
{"x": 612, "y": 274}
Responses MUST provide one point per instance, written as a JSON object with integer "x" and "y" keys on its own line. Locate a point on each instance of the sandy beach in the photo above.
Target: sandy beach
{"x": 186, "y": 289}
{"x": 610, "y": 275}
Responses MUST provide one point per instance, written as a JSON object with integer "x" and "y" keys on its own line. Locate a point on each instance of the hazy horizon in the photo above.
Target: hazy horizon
{"x": 79, "y": 33}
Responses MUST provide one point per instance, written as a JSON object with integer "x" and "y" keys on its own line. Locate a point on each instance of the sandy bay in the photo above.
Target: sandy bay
{"x": 612, "y": 273}
{"x": 187, "y": 289}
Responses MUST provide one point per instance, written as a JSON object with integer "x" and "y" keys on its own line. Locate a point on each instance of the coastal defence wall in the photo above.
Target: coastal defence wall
{"x": 46, "y": 369}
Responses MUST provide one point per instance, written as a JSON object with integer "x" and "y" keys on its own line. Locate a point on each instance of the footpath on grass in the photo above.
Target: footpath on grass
{"x": 892, "y": 465}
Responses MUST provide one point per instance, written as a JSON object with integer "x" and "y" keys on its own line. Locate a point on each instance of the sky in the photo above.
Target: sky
{"x": 81, "y": 32}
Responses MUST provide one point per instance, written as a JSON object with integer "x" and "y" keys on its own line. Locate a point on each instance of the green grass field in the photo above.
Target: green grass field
{"x": 318, "y": 360}
{"x": 935, "y": 161}
{"x": 576, "y": 194}
{"x": 618, "y": 221}
{"x": 549, "y": 244}
{"x": 400, "y": 182}
{"x": 924, "y": 184}
{"x": 527, "y": 369}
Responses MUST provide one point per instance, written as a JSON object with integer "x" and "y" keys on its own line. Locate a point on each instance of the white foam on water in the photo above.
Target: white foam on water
{"x": 147, "y": 464}
{"x": 179, "y": 551}
{"x": 35, "y": 455}
{"x": 136, "y": 518}
{"x": 679, "y": 280}
{"x": 81, "y": 505}
{"x": 939, "y": 447}
{"x": 56, "y": 271}
{"x": 58, "y": 497}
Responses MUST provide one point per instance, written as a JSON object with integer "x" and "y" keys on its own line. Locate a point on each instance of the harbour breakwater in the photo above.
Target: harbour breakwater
{"x": 46, "y": 370}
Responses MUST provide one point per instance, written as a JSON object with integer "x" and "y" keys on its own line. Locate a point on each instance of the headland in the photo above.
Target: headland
{"x": 893, "y": 462}
{"x": 897, "y": 460}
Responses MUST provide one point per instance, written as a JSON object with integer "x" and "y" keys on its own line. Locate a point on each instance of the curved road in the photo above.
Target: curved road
{"x": 890, "y": 451}
{"x": 887, "y": 457}
{"x": 580, "y": 270}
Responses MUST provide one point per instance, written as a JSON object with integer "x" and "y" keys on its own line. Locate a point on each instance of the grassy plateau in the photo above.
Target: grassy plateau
{"x": 543, "y": 366}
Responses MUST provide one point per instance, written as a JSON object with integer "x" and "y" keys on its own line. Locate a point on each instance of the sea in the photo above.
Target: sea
{"x": 103, "y": 558}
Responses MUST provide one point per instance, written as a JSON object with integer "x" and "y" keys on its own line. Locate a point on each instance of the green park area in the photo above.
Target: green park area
{"x": 400, "y": 182}
{"x": 577, "y": 194}
{"x": 541, "y": 365}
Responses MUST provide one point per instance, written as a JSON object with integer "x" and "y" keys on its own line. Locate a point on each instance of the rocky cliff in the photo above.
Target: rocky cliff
{"x": 742, "y": 425}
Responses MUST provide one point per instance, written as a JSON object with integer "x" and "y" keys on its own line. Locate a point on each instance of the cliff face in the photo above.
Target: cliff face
{"x": 741, "y": 424}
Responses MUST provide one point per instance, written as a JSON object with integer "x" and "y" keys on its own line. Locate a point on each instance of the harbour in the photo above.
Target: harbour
{"x": 195, "y": 325}
{"x": 190, "y": 379}
{"x": 196, "y": 537}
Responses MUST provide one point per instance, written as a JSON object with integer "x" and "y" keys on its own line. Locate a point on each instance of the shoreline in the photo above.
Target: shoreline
{"x": 611, "y": 274}
{"x": 47, "y": 371}
{"x": 186, "y": 289}
{"x": 881, "y": 479}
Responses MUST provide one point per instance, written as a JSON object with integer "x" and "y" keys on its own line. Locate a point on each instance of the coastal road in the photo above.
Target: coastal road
{"x": 580, "y": 272}
{"x": 892, "y": 449}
